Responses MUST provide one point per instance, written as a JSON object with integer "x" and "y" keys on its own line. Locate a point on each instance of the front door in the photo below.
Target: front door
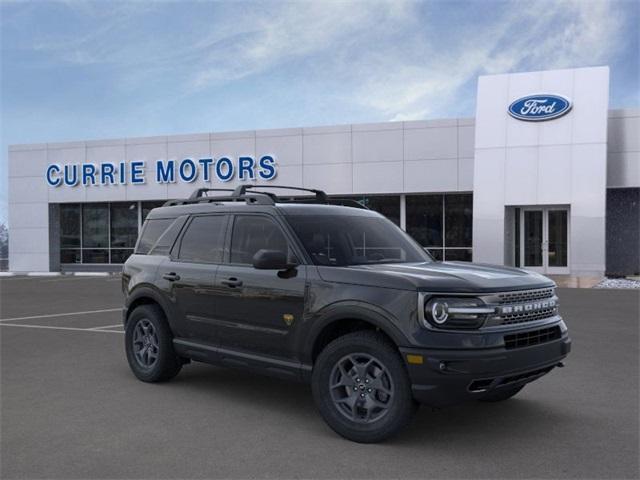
{"x": 256, "y": 310}
{"x": 543, "y": 239}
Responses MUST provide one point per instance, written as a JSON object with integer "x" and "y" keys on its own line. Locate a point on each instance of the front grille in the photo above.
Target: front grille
{"x": 528, "y": 316}
{"x": 534, "y": 337}
{"x": 525, "y": 295}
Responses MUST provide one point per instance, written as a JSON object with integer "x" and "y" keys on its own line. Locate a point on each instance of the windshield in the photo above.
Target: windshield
{"x": 341, "y": 240}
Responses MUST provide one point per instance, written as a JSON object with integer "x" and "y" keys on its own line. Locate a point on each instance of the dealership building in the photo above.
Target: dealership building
{"x": 545, "y": 177}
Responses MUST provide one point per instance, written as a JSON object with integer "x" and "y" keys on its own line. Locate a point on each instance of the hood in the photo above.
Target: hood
{"x": 456, "y": 277}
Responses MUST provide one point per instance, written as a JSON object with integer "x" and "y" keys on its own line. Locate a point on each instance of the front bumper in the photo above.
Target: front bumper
{"x": 449, "y": 377}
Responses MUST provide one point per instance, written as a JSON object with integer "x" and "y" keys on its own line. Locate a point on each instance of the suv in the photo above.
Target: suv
{"x": 331, "y": 293}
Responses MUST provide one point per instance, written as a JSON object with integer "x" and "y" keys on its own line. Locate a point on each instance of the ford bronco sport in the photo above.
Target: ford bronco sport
{"x": 328, "y": 292}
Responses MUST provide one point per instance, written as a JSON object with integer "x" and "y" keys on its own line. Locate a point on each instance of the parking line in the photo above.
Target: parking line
{"x": 49, "y": 327}
{"x": 33, "y": 317}
{"x": 107, "y": 326}
{"x": 69, "y": 278}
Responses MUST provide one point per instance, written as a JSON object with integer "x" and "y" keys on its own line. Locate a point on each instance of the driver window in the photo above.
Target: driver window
{"x": 252, "y": 233}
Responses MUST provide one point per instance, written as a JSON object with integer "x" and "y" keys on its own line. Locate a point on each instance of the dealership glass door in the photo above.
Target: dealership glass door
{"x": 543, "y": 239}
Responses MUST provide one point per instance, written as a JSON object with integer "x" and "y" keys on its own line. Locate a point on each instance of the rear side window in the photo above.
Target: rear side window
{"x": 203, "y": 241}
{"x": 167, "y": 239}
{"x": 151, "y": 232}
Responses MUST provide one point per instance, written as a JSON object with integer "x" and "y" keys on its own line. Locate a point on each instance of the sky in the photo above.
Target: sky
{"x": 73, "y": 70}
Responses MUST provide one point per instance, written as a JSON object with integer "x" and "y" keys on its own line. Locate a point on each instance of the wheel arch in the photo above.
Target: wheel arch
{"x": 347, "y": 318}
{"x": 144, "y": 296}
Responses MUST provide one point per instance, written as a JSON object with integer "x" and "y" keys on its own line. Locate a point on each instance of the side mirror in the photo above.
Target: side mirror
{"x": 271, "y": 260}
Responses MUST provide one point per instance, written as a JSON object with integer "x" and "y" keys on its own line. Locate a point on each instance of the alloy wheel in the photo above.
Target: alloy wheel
{"x": 361, "y": 388}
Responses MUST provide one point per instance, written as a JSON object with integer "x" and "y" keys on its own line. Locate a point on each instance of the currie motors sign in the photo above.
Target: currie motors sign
{"x": 537, "y": 108}
{"x": 187, "y": 170}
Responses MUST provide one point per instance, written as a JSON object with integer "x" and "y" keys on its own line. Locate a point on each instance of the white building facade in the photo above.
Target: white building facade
{"x": 545, "y": 177}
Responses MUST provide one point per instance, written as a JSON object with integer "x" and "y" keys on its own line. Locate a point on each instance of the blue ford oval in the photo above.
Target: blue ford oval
{"x": 536, "y": 108}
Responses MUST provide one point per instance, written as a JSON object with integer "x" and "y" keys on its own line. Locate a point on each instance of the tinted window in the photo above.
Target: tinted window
{"x": 252, "y": 233}
{"x": 70, "y": 223}
{"x": 204, "y": 239}
{"x": 424, "y": 219}
{"x": 340, "y": 240}
{"x": 458, "y": 213}
{"x": 95, "y": 226}
{"x": 387, "y": 205}
{"x": 167, "y": 239}
{"x": 151, "y": 232}
{"x": 124, "y": 225}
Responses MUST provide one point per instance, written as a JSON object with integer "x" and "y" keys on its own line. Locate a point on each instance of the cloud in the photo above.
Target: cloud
{"x": 391, "y": 57}
{"x": 296, "y": 30}
{"x": 532, "y": 36}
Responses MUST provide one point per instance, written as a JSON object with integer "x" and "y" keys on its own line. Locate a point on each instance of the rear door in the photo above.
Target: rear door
{"x": 189, "y": 275}
{"x": 256, "y": 310}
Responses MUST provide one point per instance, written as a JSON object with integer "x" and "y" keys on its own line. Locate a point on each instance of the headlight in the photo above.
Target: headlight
{"x": 455, "y": 312}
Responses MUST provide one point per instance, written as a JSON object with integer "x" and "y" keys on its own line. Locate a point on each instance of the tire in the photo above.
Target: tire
{"x": 369, "y": 409}
{"x": 501, "y": 394}
{"x": 147, "y": 330}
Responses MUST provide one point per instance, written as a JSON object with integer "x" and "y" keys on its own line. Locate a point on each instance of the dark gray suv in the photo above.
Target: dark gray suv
{"x": 327, "y": 292}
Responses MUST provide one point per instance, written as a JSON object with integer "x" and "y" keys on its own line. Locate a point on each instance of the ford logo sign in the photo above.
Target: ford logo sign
{"x": 536, "y": 108}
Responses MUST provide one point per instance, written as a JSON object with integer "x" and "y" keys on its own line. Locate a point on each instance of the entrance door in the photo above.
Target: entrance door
{"x": 543, "y": 239}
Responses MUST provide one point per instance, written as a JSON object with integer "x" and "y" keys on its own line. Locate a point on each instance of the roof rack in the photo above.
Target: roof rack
{"x": 259, "y": 198}
{"x": 200, "y": 192}
{"x": 321, "y": 197}
{"x": 240, "y": 194}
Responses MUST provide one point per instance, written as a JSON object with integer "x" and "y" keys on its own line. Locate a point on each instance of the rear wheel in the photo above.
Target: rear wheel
{"x": 501, "y": 394}
{"x": 361, "y": 387}
{"x": 149, "y": 345}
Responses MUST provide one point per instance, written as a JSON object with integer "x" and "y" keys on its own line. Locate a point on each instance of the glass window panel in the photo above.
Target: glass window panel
{"x": 151, "y": 232}
{"x": 70, "y": 255}
{"x": 204, "y": 239}
{"x": 69, "y": 225}
{"x": 95, "y": 255}
{"x": 387, "y": 205}
{"x": 436, "y": 253}
{"x": 165, "y": 242}
{"x": 457, "y": 254}
{"x": 558, "y": 238}
{"x": 533, "y": 238}
{"x": 119, "y": 255}
{"x": 95, "y": 225}
{"x": 148, "y": 206}
{"x": 458, "y": 220}
{"x": 124, "y": 225}
{"x": 424, "y": 219}
{"x": 339, "y": 240}
{"x": 252, "y": 233}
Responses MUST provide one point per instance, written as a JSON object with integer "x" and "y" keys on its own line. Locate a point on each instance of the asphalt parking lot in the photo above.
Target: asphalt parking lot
{"x": 70, "y": 408}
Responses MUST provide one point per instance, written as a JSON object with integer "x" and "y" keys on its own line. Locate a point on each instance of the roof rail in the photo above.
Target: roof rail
{"x": 240, "y": 194}
{"x": 321, "y": 197}
{"x": 200, "y": 192}
{"x": 258, "y": 198}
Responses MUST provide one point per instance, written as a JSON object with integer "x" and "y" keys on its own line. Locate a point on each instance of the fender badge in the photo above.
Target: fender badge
{"x": 288, "y": 319}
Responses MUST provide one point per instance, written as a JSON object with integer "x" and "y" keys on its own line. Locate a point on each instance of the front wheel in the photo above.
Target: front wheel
{"x": 361, "y": 387}
{"x": 149, "y": 345}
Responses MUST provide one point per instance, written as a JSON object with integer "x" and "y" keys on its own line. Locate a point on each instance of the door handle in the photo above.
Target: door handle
{"x": 172, "y": 276}
{"x": 232, "y": 282}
